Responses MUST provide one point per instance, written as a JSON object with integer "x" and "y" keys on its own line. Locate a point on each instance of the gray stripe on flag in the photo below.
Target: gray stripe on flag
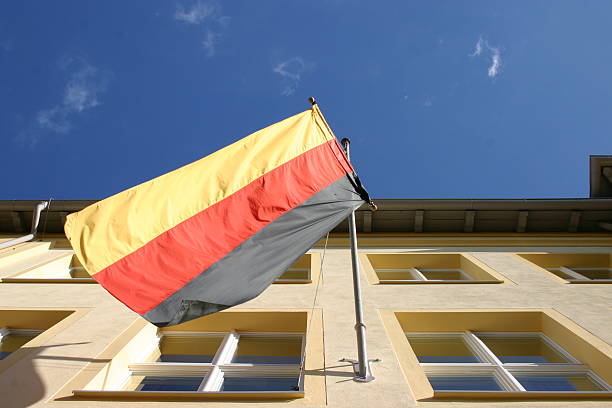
{"x": 253, "y": 265}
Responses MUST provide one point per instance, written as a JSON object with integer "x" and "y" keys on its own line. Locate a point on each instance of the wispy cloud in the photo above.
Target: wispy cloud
{"x": 477, "y": 48}
{"x": 210, "y": 15}
{"x": 82, "y": 91}
{"x": 496, "y": 62}
{"x": 195, "y": 14}
{"x": 291, "y": 72}
{"x": 210, "y": 43}
{"x": 494, "y": 53}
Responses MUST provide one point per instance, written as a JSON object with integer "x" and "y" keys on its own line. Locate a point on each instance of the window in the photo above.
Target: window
{"x": 582, "y": 274}
{"x": 427, "y": 269}
{"x": 234, "y": 354}
{"x": 24, "y": 330}
{"x": 575, "y": 268}
{"x": 498, "y": 361}
{"x": 304, "y": 270}
{"x": 498, "y": 354}
{"x": 12, "y": 339}
{"x": 220, "y": 362}
{"x": 59, "y": 266}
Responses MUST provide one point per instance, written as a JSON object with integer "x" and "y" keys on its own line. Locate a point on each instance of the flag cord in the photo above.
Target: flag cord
{"x": 314, "y": 302}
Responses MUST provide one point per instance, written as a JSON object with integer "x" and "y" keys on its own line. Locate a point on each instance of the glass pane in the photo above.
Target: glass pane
{"x": 169, "y": 384}
{"x": 269, "y": 350}
{"x": 12, "y": 342}
{"x": 595, "y": 273}
{"x": 260, "y": 384}
{"x": 558, "y": 382}
{"x": 189, "y": 349}
{"x": 560, "y": 273}
{"x": 465, "y": 383}
{"x": 294, "y": 273}
{"x": 397, "y": 274}
{"x": 79, "y": 272}
{"x": 443, "y": 274}
{"x": 523, "y": 350}
{"x": 442, "y": 350}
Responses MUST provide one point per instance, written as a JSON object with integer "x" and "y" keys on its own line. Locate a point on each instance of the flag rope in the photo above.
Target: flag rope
{"x": 314, "y": 302}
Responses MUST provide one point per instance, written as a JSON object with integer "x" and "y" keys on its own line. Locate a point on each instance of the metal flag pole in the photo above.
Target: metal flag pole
{"x": 362, "y": 365}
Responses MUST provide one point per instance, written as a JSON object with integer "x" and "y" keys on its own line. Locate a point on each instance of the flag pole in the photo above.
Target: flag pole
{"x": 362, "y": 365}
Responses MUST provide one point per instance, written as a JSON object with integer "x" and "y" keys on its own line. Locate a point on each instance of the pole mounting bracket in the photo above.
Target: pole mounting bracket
{"x": 368, "y": 377}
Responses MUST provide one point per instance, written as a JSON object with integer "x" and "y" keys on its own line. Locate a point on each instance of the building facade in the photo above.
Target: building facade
{"x": 467, "y": 303}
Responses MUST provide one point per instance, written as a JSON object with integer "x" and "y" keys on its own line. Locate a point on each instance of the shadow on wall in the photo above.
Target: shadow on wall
{"x": 20, "y": 383}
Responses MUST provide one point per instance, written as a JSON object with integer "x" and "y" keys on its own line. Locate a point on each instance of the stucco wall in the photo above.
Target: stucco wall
{"x": 40, "y": 374}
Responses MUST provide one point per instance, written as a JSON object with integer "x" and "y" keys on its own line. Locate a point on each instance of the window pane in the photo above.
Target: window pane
{"x": 443, "y": 274}
{"x": 79, "y": 272}
{"x": 558, "y": 382}
{"x": 189, "y": 349}
{"x": 269, "y": 350}
{"x": 465, "y": 383}
{"x": 397, "y": 274}
{"x": 169, "y": 384}
{"x": 259, "y": 384}
{"x": 595, "y": 274}
{"x": 294, "y": 273}
{"x": 442, "y": 350}
{"x": 561, "y": 274}
{"x": 12, "y": 342}
{"x": 523, "y": 350}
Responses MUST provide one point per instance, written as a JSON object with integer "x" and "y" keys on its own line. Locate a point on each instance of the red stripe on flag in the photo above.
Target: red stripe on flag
{"x": 147, "y": 276}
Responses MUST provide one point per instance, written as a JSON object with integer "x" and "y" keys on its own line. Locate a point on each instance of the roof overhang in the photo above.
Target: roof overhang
{"x": 573, "y": 215}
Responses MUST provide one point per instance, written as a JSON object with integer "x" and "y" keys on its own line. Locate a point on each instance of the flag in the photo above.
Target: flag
{"x": 217, "y": 232}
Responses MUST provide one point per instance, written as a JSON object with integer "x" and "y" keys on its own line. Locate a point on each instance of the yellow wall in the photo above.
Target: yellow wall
{"x": 81, "y": 352}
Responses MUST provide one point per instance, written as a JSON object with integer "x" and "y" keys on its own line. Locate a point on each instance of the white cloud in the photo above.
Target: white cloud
{"x": 196, "y": 14}
{"x": 82, "y": 91}
{"x": 477, "y": 48}
{"x": 54, "y": 119}
{"x": 494, "y": 54}
{"x": 83, "y": 87}
{"x": 496, "y": 62}
{"x": 209, "y": 12}
{"x": 291, "y": 72}
{"x": 210, "y": 43}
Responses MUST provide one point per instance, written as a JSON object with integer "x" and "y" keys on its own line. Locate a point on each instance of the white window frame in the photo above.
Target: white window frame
{"x": 577, "y": 276}
{"x": 503, "y": 372}
{"x": 5, "y": 331}
{"x": 77, "y": 268}
{"x": 417, "y": 274}
{"x": 221, "y": 366}
{"x": 307, "y": 279}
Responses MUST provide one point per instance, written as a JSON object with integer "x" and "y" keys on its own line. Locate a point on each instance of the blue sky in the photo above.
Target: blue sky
{"x": 441, "y": 99}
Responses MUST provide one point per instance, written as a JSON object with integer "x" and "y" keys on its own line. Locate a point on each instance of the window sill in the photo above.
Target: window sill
{"x": 437, "y": 282}
{"x": 591, "y": 282}
{"x": 49, "y": 280}
{"x": 290, "y": 281}
{"x": 504, "y": 395}
{"x": 186, "y": 395}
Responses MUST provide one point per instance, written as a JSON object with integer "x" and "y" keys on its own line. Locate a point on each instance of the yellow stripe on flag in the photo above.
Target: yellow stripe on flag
{"x": 136, "y": 216}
